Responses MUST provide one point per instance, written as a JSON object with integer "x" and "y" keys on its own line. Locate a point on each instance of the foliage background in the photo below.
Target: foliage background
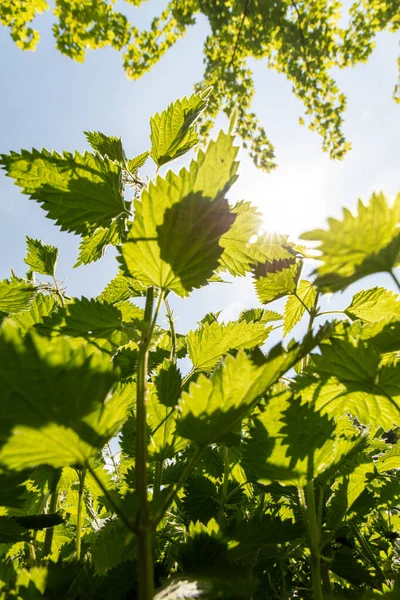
{"x": 48, "y": 100}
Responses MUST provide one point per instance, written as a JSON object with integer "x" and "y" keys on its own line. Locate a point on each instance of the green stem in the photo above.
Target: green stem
{"x": 177, "y": 486}
{"x": 188, "y": 376}
{"x": 144, "y": 525}
{"x": 172, "y": 330}
{"x": 397, "y": 282}
{"x": 314, "y": 540}
{"x": 302, "y": 302}
{"x": 157, "y": 479}
{"x": 331, "y": 312}
{"x": 225, "y": 482}
{"x": 58, "y": 291}
{"x": 78, "y": 537}
{"x": 52, "y": 508}
{"x": 112, "y": 458}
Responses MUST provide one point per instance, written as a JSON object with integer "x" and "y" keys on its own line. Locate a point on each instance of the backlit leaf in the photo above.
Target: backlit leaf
{"x": 373, "y": 305}
{"x": 106, "y": 145}
{"x": 359, "y": 245}
{"x": 42, "y": 306}
{"x": 79, "y": 192}
{"x": 174, "y": 240}
{"x": 15, "y": 296}
{"x": 172, "y": 131}
{"x": 93, "y": 246}
{"x": 276, "y": 279}
{"x": 297, "y": 303}
{"x": 209, "y": 343}
{"x": 41, "y": 257}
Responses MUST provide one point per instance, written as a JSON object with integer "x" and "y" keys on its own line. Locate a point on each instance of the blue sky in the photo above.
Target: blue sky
{"x": 48, "y": 100}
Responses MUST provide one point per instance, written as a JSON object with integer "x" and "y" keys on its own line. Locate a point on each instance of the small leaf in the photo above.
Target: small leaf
{"x": 297, "y": 303}
{"x": 121, "y": 288}
{"x": 168, "y": 382}
{"x": 209, "y": 343}
{"x": 135, "y": 163}
{"x": 93, "y": 246}
{"x": 359, "y": 245}
{"x": 173, "y": 132}
{"x": 259, "y": 315}
{"x": 276, "y": 280}
{"x": 106, "y": 145}
{"x": 41, "y": 257}
{"x": 15, "y": 296}
{"x": 164, "y": 442}
{"x": 373, "y": 305}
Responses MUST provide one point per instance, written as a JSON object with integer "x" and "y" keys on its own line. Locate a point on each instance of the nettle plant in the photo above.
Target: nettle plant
{"x": 261, "y": 473}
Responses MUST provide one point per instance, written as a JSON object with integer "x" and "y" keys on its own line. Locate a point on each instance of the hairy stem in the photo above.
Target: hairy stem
{"x": 157, "y": 479}
{"x": 225, "y": 482}
{"x": 78, "y": 537}
{"x": 314, "y": 541}
{"x": 145, "y": 528}
{"x": 172, "y": 331}
{"x": 52, "y": 508}
{"x": 397, "y": 282}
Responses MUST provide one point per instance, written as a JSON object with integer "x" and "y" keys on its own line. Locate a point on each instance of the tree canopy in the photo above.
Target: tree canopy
{"x": 304, "y": 39}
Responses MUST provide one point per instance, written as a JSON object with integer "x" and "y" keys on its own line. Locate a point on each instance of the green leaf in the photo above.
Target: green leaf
{"x": 106, "y": 145}
{"x": 98, "y": 322}
{"x": 173, "y": 132}
{"x": 79, "y": 192}
{"x": 348, "y": 486}
{"x": 297, "y": 303}
{"x": 241, "y": 251}
{"x": 164, "y": 442}
{"x": 276, "y": 279}
{"x": 200, "y": 500}
{"x": 208, "y": 344}
{"x": 135, "y": 163}
{"x": 121, "y": 288}
{"x": 53, "y": 398}
{"x": 168, "y": 382}
{"x": 15, "y": 296}
{"x": 93, "y": 246}
{"x": 359, "y": 245}
{"x": 37, "y": 522}
{"x": 373, "y": 305}
{"x": 291, "y": 442}
{"x": 174, "y": 240}
{"x": 185, "y": 589}
{"x": 214, "y": 406}
{"x": 11, "y": 531}
{"x": 389, "y": 460}
{"x": 351, "y": 379}
{"x": 41, "y": 257}
{"x": 259, "y": 314}
{"x": 41, "y": 307}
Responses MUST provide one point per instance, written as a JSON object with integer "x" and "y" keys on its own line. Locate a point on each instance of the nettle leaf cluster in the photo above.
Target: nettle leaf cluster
{"x": 303, "y": 39}
{"x": 263, "y": 471}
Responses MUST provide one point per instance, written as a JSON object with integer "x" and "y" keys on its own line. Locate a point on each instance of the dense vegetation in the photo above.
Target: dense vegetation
{"x": 264, "y": 472}
{"x": 303, "y": 39}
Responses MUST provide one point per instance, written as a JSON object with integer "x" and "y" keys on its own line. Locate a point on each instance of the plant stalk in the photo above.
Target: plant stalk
{"x": 78, "y": 537}
{"x": 225, "y": 482}
{"x": 52, "y": 508}
{"x": 144, "y": 525}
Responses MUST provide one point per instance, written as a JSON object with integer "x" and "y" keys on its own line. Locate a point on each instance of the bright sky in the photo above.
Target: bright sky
{"x": 49, "y": 100}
